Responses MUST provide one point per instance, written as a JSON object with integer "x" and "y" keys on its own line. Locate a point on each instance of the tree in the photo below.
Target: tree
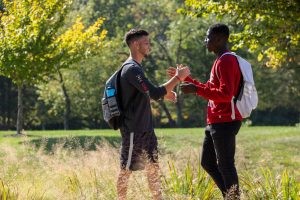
{"x": 34, "y": 45}
{"x": 270, "y": 28}
{"x": 175, "y": 39}
{"x": 114, "y": 54}
{"x": 84, "y": 82}
{"x": 269, "y": 31}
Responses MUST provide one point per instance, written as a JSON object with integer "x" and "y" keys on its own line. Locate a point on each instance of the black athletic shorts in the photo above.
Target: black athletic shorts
{"x": 137, "y": 149}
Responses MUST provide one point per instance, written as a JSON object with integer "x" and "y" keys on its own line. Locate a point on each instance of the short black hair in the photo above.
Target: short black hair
{"x": 219, "y": 29}
{"x": 134, "y": 34}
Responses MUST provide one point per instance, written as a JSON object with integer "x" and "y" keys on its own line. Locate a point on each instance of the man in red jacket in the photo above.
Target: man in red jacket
{"x": 223, "y": 118}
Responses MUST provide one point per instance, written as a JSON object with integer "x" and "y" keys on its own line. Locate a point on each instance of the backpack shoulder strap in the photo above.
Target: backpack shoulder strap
{"x": 129, "y": 62}
{"x": 226, "y": 53}
{"x": 118, "y": 82}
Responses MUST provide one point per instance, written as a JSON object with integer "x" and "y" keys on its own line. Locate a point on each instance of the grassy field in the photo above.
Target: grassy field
{"x": 84, "y": 164}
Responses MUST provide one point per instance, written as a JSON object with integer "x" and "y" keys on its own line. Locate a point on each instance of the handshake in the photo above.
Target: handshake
{"x": 181, "y": 72}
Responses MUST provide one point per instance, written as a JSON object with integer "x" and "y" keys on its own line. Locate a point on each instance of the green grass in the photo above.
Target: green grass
{"x": 53, "y": 137}
{"x": 274, "y": 147}
{"x": 83, "y": 164}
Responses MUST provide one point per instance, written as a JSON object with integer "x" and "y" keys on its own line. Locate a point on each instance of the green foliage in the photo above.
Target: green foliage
{"x": 188, "y": 184}
{"x": 78, "y": 42}
{"x": 78, "y": 46}
{"x": 5, "y": 193}
{"x": 267, "y": 34}
{"x": 74, "y": 185}
{"x": 267, "y": 27}
{"x": 268, "y": 185}
{"x": 191, "y": 184}
{"x": 28, "y": 29}
{"x": 175, "y": 39}
{"x": 32, "y": 44}
{"x": 84, "y": 83}
{"x": 73, "y": 170}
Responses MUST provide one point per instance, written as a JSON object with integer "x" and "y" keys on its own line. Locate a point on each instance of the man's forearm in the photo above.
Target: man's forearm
{"x": 170, "y": 84}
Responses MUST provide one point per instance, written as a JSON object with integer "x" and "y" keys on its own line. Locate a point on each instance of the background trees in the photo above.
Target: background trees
{"x": 269, "y": 28}
{"x": 269, "y": 33}
{"x": 33, "y": 45}
{"x": 64, "y": 89}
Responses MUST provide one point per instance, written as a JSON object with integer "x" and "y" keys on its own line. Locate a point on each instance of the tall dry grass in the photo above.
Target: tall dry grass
{"x": 63, "y": 173}
{"x": 71, "y": 171}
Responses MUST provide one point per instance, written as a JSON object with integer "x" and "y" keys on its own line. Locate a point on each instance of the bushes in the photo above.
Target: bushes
{"x": 279, "y": 116}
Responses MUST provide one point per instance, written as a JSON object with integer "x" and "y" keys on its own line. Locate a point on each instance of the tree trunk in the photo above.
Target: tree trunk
{"x": 179, "y": 104}
{"x": 164, "y": 107}
{"x": 20, "y": 110}
{"x": 9, "y": 109}
{"x": 161, "y": 103}
{"x": 67, "y": 112}
{"x": 5, "y": 103}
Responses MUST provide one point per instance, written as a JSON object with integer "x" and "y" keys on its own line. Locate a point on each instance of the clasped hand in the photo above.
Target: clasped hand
{"x": 186, "y": 88}
{"x": 180, "y": 72}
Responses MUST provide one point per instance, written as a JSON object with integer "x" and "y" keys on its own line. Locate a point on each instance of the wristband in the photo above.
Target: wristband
{"x": 178, "y": 78}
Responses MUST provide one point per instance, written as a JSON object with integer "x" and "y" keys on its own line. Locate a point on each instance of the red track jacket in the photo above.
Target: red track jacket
{"x": 224, "y": 83}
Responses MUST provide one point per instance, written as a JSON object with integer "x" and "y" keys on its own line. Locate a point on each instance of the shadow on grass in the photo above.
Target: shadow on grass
{"x": 88, "y": 143}
{"x": 14, "y": 135}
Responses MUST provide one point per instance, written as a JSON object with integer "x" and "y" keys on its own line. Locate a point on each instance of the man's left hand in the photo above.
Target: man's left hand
{"x": 171, "y": 96}
{"x": 188, "y": 88}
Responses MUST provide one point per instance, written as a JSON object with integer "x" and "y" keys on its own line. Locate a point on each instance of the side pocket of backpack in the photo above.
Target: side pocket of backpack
{"x": 105, "y": 110}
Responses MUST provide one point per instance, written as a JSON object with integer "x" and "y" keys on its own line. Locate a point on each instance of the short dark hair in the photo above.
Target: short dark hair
{"x": 219, "y": 29}
{"x": 134, "y": 34}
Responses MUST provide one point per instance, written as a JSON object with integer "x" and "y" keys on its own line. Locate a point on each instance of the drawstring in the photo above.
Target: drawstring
{"x": 232, "y": 109}
{"x": 130, "y": 151}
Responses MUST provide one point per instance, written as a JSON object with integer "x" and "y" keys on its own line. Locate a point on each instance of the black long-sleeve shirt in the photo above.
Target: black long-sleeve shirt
{"x": 136, "y": 92}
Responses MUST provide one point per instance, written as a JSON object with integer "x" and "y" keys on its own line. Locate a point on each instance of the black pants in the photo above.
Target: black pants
{"x": 218, "y": 155}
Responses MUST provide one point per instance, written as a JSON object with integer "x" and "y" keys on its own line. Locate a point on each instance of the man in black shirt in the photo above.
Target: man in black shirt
{"x": 139, "y": 143}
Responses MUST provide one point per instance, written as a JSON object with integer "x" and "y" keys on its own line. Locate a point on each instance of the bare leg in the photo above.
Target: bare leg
{"x": 152, "y": 170}
{"x": 122, "y": 184}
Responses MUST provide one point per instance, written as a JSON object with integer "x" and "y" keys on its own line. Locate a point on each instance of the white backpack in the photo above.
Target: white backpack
{"x": 247, "y": 98}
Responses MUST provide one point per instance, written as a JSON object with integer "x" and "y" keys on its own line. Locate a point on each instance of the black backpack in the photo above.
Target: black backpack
{"x": 111, "y": 101}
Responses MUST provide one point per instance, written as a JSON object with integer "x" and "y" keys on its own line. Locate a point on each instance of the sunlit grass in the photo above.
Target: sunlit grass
{"x": 85, "y": 164}
{"x": 61, "y": 174}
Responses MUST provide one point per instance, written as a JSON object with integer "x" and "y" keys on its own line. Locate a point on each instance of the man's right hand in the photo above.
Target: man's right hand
{"x": 182, "y": 72}
{"x": 188, "y": 88}
{"x": 179, "y": 73}
{"x": 171, "y": 71}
